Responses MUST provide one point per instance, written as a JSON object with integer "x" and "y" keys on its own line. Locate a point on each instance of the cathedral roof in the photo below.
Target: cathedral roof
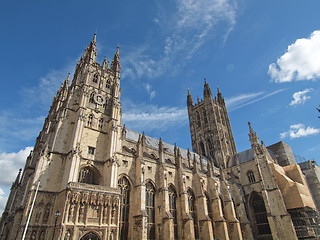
{"x": 154, "y": 143}
{"x": 243, "y": 157}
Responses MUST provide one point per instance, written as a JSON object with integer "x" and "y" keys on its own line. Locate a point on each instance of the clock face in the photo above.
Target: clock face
{"x": 99, "y": 99}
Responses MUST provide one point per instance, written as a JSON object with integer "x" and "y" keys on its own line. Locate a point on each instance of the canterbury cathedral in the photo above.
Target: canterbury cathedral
{"x": 90, "y": 178}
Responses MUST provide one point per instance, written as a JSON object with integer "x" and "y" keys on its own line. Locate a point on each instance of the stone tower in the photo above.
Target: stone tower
{"x": 211, "y": 133}
{"x": 76, "y": 149}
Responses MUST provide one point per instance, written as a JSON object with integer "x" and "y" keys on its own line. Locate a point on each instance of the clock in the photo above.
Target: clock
{"x": 99, "y": 99}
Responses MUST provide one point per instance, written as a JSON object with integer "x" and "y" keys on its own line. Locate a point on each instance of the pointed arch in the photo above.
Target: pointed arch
{"x": 198, "y": 119}
{"x": 91, "y": 97}
{"x": 173, "y": 208}
{"x": 193, "y": 212}
{"x": 251, "y": 176}
{"x": 100, "y": 124}
{"x": 90, "y": 120}
{"x": 205, "y": 117}
{"x": 89, "y": 175}
{"x": 202, "y": 149}
{"x": 211, "y": 148}
{"x": 92, "y": 235}
{"x": 95, "y": 78}
{"x": 259, "y": 212}
{"x": 108, "y": 83}
{"x": 125, "y": 189}
{"x": 150, "y": 209}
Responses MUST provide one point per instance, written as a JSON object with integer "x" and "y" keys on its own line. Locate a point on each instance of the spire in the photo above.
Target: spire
{"x": 206, "y": 91}
{"x": 160, "y": 145}
{"x": 253, "y": 136}
{"x": 104, "y": 64}
{"x": 189, "y": 99}
{"x": 18, "y": 177}
{"x": 254, "y": 140}
{"x": 143, "y": 138}
{"x": 90, "y": 53}
{"x": 115, "y": 64}
{"x": 220, "y": 98}
{"x": 67, "y": 81}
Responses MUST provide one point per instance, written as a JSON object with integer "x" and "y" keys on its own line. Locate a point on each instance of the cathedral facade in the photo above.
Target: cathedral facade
{"x": 88, "y": 177}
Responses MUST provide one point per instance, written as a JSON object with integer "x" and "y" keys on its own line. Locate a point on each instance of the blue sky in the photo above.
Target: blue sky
{"x": 263, "y": 55}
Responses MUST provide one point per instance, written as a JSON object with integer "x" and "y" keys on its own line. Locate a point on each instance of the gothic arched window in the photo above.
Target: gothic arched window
{"x": 86, "y": 175}
{"x": 211, "y": 148}
{"x": 173, "y": 210}
{"x": 205, "y": 117}
{"x": 203, "y": 151}
{"x": 150, "y": 208}
{"x": 198, "y": 119}
{"x": 192, "y": 211}
{"x": 90, "y": 120}
{"x": 91, "y": 98}
{"x": 90, "y": 236}
{"x": 100, "y": 125}
{"x": 124, "y": 186}
{"x": 95, "y": 78}
{"x": 108, "y": 83}
{"x": 251, "y": 177}
{"x": 260, "y": 214}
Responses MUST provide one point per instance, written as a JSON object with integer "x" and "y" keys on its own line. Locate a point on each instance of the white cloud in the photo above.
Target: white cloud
{"x": 300, "y": 62}
{"x": 47, "y": 86}
{"x": 186, "y": 30}
{"x": 152, "y": 93}
{"x": 243, "y": 100}
{"x": 3, "y": 200}
{"x": 299, "y": 130}
{"x": 10, "y": 164}
{"x": 145, "y": 117}
{"x": 300, "y": 97}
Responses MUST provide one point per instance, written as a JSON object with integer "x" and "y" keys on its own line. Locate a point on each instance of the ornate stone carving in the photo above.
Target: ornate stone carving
{"x": 71, "y": 212}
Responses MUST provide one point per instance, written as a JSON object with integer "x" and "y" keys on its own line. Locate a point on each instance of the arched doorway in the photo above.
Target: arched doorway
{"x": 90, "y": 236}
{"x": 260, "y": 214}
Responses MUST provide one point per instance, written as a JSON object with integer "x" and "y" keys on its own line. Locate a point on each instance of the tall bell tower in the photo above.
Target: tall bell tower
{"x": 210, "y": 129}
{"x": 75, "y": 150}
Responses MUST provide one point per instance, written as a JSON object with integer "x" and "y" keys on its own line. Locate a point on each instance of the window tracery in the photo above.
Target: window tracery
{"x": 100, "y": 125}
{"x": 95, "y": 78}
{"x": 205, "y": 117}
{"x": 203, "y": 151}
{"x": 87, "y": 176}
{"x": 91, "y": 98}
{"x": 90, "y": 120}
{"x": 124, "y": 186}
{"x": 150, "y": 208}
{"x": 173, "y": 210}
{"x": 260, "y": 214}
{"x": 108, "y": 83}
{"x": 251, "y": 177}
{"x": 198, "y": 119}
{"x": 192, "y": 211}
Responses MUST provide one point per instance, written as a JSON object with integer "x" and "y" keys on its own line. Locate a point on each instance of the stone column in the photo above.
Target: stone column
{"x": 230, "y": 214}
{"x": 167, "y": 229}
{"x": 187, "y": 231}
{"x": 205, "y": 224}
{"x": 242, "y": 215}
{"x": 220, "y": 225}
{"x": 139, "y": 226}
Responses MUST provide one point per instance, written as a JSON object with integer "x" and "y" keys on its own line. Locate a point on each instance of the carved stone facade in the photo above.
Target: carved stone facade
{"x": 99, "y": 180}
